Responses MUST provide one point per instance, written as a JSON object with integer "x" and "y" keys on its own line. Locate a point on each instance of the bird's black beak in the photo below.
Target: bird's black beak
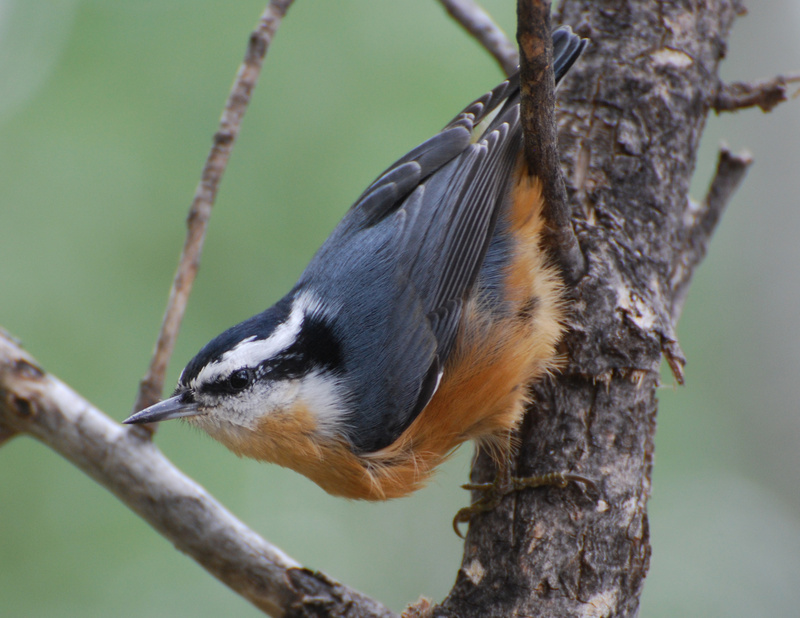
{"x": 175, "y": 407}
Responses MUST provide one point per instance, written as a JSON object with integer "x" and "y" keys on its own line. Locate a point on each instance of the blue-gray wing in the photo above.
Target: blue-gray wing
{"x": 442, "y": 199}
{"x": 451, "y": 188}
{"x": 398, "y": 267}
{"x": 404, "y": 259}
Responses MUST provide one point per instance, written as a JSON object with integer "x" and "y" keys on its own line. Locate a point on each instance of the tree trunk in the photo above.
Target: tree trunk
{"x": 631, "y": 113}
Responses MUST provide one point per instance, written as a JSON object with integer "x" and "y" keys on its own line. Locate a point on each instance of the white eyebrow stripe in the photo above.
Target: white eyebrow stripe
{"x": 251, "y": 352}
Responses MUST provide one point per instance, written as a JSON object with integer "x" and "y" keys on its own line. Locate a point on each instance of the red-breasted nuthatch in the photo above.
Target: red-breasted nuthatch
{"x": 415, "y": 327}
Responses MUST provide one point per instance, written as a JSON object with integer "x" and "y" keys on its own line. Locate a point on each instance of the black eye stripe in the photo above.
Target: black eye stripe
{"x": 230, "y": 384}
{"x": 240, "y": 379}
{"x": 285, "y": 365}
{"x": 315, "y": 347}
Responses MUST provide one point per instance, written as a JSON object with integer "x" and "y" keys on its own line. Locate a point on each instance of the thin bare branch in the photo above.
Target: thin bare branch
{"x": 152, "y": 385}
{"x": 480, "y": 25}
{"x": 129, "y": 465}
{"x": 537, "y": 109}
{"x": 731, "y": 170}
{"x": 764, "y": 94}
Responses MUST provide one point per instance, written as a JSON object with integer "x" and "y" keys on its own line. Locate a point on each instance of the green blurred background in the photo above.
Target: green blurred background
{"x": 106, "y": 114}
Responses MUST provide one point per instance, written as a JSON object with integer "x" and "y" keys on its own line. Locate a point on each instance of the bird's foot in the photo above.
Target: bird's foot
{"x": 504, "y": 484}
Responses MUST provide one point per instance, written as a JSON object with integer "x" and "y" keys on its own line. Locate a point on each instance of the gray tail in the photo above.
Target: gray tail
{"x": 567, "y": 47}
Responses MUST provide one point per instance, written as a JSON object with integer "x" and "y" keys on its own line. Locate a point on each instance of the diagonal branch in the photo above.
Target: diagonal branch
{"x": 152, "y": 385}
{"x": 129, "y": 465}
{"x": 482, "y": 27}
{"x": 704, "y": 217}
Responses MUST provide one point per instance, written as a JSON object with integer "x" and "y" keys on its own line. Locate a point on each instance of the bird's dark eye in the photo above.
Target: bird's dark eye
{"x": 239, "y": 380}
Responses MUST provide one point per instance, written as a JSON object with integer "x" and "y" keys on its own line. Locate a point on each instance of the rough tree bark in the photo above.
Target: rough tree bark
{"x": 630, "y": 118}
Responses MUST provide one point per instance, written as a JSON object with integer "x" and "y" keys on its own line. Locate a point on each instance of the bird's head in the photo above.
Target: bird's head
{"x": 282, "y": 360}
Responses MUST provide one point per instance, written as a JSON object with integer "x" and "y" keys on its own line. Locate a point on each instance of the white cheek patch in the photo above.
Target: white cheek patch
{"x": 320, "y": 394}
{"x": 323, "y": 395}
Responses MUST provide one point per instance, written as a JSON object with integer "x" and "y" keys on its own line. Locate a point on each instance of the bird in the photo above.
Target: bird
{"x": 416, "y": 326}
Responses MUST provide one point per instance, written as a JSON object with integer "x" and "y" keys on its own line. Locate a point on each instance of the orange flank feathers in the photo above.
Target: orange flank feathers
{"x": 482, "y": 393}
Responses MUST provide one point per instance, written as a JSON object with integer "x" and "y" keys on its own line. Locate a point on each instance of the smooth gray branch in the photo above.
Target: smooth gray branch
{"x": 480, "y": 25}
{"x": 126, "y": 462}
